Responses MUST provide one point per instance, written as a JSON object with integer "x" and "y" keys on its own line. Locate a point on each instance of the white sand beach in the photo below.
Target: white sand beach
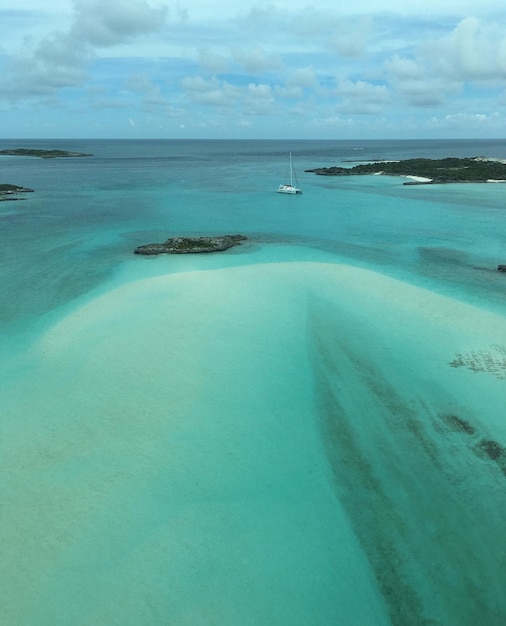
{"x": 420, "y": 179}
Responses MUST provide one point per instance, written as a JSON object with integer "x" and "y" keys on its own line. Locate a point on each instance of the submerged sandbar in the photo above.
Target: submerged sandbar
{"x": 246, "y": 421}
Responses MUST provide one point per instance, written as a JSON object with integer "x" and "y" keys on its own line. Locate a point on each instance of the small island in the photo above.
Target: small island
{"x": 9, "y": 192}
{"x": 191, "y": 245}
{"x": 428, "y": 171}
{"x": 43, "y": 154}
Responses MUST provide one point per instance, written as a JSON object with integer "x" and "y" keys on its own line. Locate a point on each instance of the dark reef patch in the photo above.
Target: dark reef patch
{"x": 458, "y": 424}
{"x": 491, "y": 360}
{"x": 191, "y": 245}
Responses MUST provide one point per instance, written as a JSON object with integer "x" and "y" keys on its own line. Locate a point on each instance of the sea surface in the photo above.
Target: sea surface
{"x": 306, "y": 429}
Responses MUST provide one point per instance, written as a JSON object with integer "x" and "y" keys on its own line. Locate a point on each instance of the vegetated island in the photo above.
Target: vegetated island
{"x": 428, "y": 171}
{"x": 190, "y": 245}
{"x": 43, "y": 154}
{"x": 8, "y": 192}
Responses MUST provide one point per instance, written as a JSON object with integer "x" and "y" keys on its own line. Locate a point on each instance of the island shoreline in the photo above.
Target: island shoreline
{"x": 426, "y": 171}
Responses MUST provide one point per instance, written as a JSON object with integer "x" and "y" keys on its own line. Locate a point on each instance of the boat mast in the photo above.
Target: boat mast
{"x": 291, "y": 171}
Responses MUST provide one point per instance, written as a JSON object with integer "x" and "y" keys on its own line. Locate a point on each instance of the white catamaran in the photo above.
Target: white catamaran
{"x": 290, "y": 188}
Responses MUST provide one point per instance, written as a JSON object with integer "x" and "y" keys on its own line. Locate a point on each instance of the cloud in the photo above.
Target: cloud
{"x": 256, "y": 59}
{"x": 258, "y": 100}
{"x": 106, "y": 23}
{"x": 427, "y": 92}
{"x": 417, "y": 82}
{"x": 294, "y": 93}
{"x": 403, "y": 69}
{"x": 211, "y": 92}
{"x": 351, "y": 38}
{"x": 55, "y": 64}
{"x": 151, "y": 97}
{"x": 296, "y": 64}
{"x": 213, "y": 62}
{"x": 252, "y": 99}
{"x": 304, "y": 77}
{"x": 473, "y": 51}
{"x": 362, "y": 97}
{"x": 470, "y": 121}
{"x": 60, "y": 59}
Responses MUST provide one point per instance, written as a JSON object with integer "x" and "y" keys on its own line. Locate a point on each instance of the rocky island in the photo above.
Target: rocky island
{"x": 43, "y": 154}
{"x": 428, "y": 171}
{"x": 9, "y": 192}
{"x": 191, "y": 245}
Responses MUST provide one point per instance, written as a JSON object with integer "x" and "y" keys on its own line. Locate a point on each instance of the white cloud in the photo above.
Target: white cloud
{"x": 417, "y": 83}
{"x": 361, "y": 97}
{"x": 304, "y": 77}
{"x": 472, "y": 51}
{"x": 253, "y": 99}
{"x": 294, "y": 92}
{"x": 107, "y": 23}
{"x": 293, "y": 63}
{"x": 213, "y": 62}
{"x": 258, "y": 100}
{"x": 211, "y": 92}
{"x": 351, "y": 37}
{"x": 470, "y": 121}
{"x": 55, "y": 64}
{"x": 60, "y": 59}
{"x": 429, "y": 92}
{"x": 94, "y": 22}
{"x": 256, "y": 59}
{"x": 403, "y": 69}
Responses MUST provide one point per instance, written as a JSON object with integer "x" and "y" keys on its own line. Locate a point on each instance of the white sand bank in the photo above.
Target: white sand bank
{"x": 252, "y": 445}
{"x": 421, "y": 179}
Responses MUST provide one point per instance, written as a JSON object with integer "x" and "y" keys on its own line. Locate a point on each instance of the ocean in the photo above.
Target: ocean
{"x": 308, "y": 428}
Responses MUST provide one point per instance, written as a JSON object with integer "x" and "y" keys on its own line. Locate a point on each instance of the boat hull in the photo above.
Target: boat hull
{"x": 288, "y": 189}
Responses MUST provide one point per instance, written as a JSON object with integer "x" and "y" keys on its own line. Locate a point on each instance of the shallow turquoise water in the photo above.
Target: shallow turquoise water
{"x": 271, "y": 435}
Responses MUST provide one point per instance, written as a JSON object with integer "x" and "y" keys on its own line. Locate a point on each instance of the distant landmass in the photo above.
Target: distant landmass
{"x": 9, "y": 192}
{"x": 43, "y": 154}
{"x": 427, "y": 171}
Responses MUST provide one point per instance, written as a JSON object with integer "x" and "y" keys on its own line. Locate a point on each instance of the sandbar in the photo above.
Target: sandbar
{"x": 268, "y": 443}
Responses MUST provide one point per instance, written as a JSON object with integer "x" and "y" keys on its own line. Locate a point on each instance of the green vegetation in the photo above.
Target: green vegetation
{"x": 187, "y": 245}
{"x": 44, "y": 154}
{"x": 449, "y": 170}
{"x": 6, "y": 188}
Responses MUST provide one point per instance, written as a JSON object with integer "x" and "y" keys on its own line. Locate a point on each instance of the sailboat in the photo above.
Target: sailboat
{"x": 290, "y": 188}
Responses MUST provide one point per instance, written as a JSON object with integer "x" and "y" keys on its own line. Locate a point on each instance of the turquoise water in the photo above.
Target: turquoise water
{"x": 306, "y": 429}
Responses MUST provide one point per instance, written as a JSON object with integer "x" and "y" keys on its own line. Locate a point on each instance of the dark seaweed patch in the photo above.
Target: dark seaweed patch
{"x": 492, "y": 449}
{"x": 458, "y": 424}
{"x": 491, "y": 360}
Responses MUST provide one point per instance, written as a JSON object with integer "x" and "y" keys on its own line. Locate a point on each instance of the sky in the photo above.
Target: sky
{"x": 361, "y": 69}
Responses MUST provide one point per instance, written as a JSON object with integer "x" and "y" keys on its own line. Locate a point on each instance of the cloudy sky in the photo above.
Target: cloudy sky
{"x": 223, "y": 69}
